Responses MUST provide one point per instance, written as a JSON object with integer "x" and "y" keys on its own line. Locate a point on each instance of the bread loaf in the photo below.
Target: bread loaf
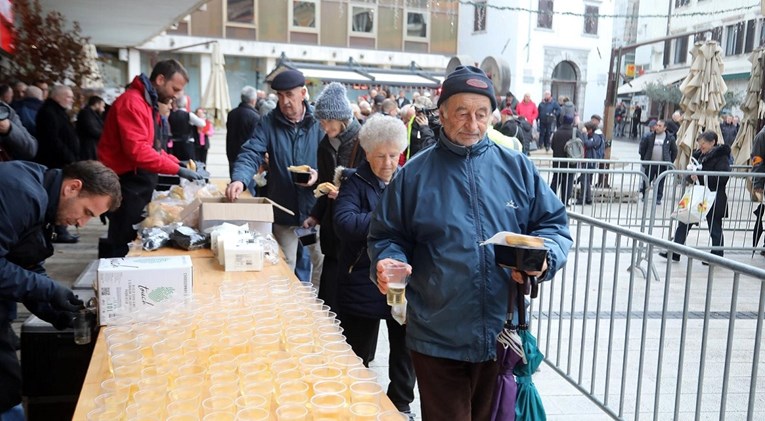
{"x": 299, "y": 168}
{"x": 524, "y": 240}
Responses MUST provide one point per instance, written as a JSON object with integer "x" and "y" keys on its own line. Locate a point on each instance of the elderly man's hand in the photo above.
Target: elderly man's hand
{"x": 234, "y": 190}
{"x": 312, "y": 180}
{"x": 519, "y": 278}
{"x": 382, "y": 278}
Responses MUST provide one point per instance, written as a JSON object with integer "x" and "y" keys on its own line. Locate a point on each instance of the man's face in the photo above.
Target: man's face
{"x": 65, "y": 98}
{"x": 44, "y": 88}
{"x": 526, "y": 98}
{"x": 548, "y": 97}
{"x": 100, "y": 107}
{"x": 465, "y": 118}
{"x": 75, "y": 208}
{"x": 729, "y": 119}
{"x": 169, "y": 89}
{"x": 659, "y": 127}
{"x": 291, "y": 102}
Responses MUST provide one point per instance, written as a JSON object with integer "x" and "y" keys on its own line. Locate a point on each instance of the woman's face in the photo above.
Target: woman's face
{"x": 332, "y": 127}
{"x": 704, "y": 145}
{"x": 384, "y": 160}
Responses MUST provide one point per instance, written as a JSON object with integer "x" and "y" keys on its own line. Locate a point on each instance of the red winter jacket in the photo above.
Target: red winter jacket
{"x": 528, "y": 110}
{"x": 127, "y": 142}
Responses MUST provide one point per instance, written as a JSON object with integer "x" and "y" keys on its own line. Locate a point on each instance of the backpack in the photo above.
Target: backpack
{"x": 574, "y": 147}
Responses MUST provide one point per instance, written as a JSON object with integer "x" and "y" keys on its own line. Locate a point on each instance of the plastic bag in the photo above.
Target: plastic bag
{"x": 188, "y": 238}
{"x": 694, "y": 205}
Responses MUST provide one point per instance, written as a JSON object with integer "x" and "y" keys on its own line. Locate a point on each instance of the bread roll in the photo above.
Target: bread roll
{"x": 299, "y": 168}
{"x": 324, "y": 188}
{"x": 524, "y": 240}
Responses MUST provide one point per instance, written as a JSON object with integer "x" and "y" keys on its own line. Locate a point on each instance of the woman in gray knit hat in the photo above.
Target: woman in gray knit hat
{"x": 339, "y": 148}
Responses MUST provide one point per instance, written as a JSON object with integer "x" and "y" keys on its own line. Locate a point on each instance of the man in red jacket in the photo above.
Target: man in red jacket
{"x": 130, "y": 145}
{"x": 527, "y": 109}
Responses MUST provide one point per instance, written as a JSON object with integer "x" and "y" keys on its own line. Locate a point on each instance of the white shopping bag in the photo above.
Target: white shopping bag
{"x": 695, "y": 204}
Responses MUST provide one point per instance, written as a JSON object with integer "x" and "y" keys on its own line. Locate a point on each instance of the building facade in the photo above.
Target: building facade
{"x": 737, "y": 25}
{"x": 558, "y": 46}
{"x": 254, "y": 34}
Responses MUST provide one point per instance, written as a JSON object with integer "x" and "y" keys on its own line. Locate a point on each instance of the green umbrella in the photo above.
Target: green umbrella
{"x": 528, "y": 403}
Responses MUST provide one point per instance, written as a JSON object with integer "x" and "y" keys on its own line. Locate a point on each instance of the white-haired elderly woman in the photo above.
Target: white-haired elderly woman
{"x": 360, "y": 304}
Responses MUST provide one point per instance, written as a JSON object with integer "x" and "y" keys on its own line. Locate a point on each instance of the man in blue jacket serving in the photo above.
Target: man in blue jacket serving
{"x": 457, "y": 295}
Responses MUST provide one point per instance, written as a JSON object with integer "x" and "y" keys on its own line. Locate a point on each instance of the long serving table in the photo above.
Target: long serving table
{"x": 208, "y": 275}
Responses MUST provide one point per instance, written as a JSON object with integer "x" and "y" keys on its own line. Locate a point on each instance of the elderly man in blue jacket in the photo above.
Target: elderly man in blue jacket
{"x": 457, "y": 295}
{"x": 290, "y": 135}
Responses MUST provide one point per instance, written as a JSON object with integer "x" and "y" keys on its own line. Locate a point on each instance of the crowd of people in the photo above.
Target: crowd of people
{"x": 417, "y": 180}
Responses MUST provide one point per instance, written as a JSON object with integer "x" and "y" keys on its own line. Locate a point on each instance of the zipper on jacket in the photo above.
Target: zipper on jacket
{"x": 481, "y": 254}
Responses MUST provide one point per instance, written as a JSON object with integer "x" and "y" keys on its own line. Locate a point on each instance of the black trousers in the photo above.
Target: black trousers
{"x": 137, "y": 189}
{"x": 10, "y": 370}
{"x": 361, "y": 334}
{"x": 545, "y": 132}
{"x": 183, "y": 150}
{"x": 715, "y": 231}
{"x": 328, "y": 282}
{"x": 455, "y": 390}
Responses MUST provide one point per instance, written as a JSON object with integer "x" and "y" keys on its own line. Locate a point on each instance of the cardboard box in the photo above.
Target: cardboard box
{"x": 133, "y": 283}
{"x": 243, "y": 256}
{"x": 257, "y": 212}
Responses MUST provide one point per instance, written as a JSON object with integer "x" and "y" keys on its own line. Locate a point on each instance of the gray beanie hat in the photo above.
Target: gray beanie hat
{"x": 332, "y": 104}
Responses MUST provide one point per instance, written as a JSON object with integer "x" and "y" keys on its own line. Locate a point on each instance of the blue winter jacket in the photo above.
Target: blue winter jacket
{"x": 287, "y": 144}
{"x": 359, "y": 193}
{"x": 434, "y": 215}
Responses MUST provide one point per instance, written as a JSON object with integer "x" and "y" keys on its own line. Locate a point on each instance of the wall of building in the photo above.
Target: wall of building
{"x": 533, "y": 53}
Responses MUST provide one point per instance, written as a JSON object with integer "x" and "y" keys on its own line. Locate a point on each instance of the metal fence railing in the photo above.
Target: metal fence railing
{"x": 687, "y": 347}
{"x": 616, "y": 199}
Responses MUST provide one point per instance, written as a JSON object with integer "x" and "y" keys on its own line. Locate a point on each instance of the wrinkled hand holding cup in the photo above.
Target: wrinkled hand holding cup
{"x": 397, "y": 276}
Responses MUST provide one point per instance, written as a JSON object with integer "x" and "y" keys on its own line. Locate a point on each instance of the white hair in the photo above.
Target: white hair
{"x": 380, "y": 129}
{"x": 249, "y": 94}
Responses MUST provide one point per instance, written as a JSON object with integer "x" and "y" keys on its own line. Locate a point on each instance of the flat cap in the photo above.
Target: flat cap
{"x": 287, "y": 80}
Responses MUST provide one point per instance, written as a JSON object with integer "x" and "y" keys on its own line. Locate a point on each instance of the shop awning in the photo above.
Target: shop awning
{"x": 739, "y": 69}
{"x": 121, "y": 23}
{"x": 352, "y": 73}
{"x": 665, "y": 77}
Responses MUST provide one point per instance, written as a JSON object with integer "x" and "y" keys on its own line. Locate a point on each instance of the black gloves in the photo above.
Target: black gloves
{"x": 189, "y": 174}
{"x": 64, "y": 299}
{"x": 60, "y": 319}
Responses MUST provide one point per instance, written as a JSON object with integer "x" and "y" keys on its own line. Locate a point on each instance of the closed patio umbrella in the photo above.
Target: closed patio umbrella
{"x": 703, "y": 90}
{"x": 742, "y": 146}
{"x": 216, "y": 98}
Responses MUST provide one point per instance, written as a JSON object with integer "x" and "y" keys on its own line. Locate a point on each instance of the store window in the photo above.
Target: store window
{"x": 362, "y": 20}
{"x": 681, "y": 50}
{"x": 545, "y": 14}
{"x": 479, "y": 16}
{"x": 240, "y": 11}
{"x": 304, "y": 14}
{"x": 591, "y": 20}
{"x": 681, "y": 3}
{"x": 734, "y": 39}
{"x": 416, "y": 24}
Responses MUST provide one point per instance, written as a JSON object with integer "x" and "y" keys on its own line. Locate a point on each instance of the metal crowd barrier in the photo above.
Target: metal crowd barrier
{"x": 616, "y": 199}
{"x": 738, "y": 227}
{"x": 687, "y": 347}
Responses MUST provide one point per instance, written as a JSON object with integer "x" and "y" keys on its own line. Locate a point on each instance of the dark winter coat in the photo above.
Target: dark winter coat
{"x": 594, "y": 146}
{"x": 716, "y": 160}
{"x": 758, "y": 158}
{"x": 29, "y": 195}
{"x": 420, "y": 138}
{"x": 18, "y": 143}
{"x": 669, "y": 153}
{"x": 548, "y": 112}
{"x": 729, "y": 132}
{"x": 566, "y": 109}
{"x": 240, "y": 126}
{"x": 89, "y": 128}
{"x": 58, "y": 142}
{"x": 349, "y": 155}
{"x": 360, "y": 190}
{"x": 287, "y": 144}
{"x": 558, "y": 144}
{"x": 27, "y": 109}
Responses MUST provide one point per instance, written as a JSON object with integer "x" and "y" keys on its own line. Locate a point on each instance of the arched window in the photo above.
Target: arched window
{"x": 564, "y": 81}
